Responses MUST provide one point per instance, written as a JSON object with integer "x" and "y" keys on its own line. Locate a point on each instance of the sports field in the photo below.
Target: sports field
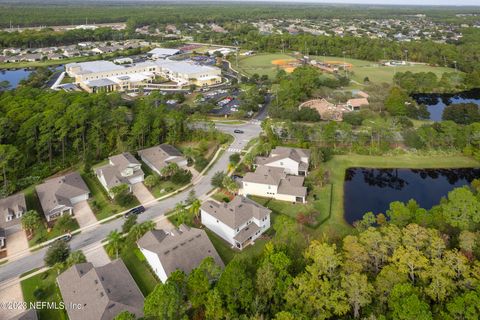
{"x": 269, "y": 64}
{"x": 378, "y": 73}
{"x": 265, "y": 64}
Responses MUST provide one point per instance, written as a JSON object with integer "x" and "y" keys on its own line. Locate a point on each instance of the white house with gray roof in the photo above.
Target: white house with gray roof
{"x": 239, "y": 222}
{"x": 58, "y": 195}
{"x": 122, "y": 168}
{"x": 293, "y": 160}
{"x": 158, "y": 157}
{"x": 12, "y": 209}
{"x": 102, "y": 292}
{"x": 274, "y": 182}
{"x": 180, "y": 249}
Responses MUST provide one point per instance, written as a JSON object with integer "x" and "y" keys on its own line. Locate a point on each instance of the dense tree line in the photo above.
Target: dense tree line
{"x": 43, "y": 132}
{"x": 407, "y": 263}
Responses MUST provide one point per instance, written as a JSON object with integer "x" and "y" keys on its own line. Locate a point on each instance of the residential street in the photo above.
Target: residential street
{"x": 96, "y": 234}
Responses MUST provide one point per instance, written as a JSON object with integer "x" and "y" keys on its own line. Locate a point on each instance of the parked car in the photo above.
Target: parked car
{"x": 138, "y": 210}
{"x": 66, "y": 237}
{"x": 237, "y": 131}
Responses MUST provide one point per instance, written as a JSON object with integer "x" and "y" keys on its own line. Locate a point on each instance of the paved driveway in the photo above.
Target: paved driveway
{"x": 142, "y": 193}
{"x": 84, "y": 214}
{"x": 16, "y": 241}
{"x": 97, "y": 256}
{"x": 12, "y": 293}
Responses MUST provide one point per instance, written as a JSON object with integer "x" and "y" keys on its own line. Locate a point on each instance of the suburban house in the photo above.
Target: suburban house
{"x": 183, "y": 248}
{"x": 102, "y": 292}
{"x": 156, "y": 158}
{"x": 122, "y": 168}
{"x": 3, "y": 238}
{"x": 293, "y": 160}
{"x": 58, "y": 195}
{"x": 238, "y": 222}
{"x": 12, "y": 209}
{"x": 274, "y": 182}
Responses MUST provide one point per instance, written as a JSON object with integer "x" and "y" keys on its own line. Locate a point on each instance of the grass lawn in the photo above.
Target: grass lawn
{"x": 339, "y": 164}
{"x": 102, "y": 205}
{"x": 46, "y": 281}
{"x": 378, "y": 73}
{"x": 138, "y": 267}
{"x": 163, "y": 187}
{"x": 42, "y": 234}
{"x": 260, "y": 64}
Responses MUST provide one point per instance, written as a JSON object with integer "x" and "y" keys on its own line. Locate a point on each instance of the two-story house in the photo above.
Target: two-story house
{"x": 122, "y": 168}
{"x": 274, "y": 182}
{"x": 239, "y": 222}
{"x": 158, "y": 157}
{"x": 12, "y": 209}
{"x": 293, "y": 160}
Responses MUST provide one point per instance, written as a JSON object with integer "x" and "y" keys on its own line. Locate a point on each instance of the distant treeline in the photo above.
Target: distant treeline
{"x": 49, "y": 13}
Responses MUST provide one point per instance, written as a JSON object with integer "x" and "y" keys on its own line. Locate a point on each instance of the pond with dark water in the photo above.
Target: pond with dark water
{"x": 435, "y": 103}
{"x": 367, "y": 189}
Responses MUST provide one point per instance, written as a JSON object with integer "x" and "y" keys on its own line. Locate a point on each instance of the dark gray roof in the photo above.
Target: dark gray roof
{"x": 159, "y": 156}
{"x": 183, "y": 248}
{"x": 58, "y": 191}
{"x": 9, "y": 206}
{"x": 103, "y": 292}
{"x": 237, "y": 212}
{"x": 30, "y": 314}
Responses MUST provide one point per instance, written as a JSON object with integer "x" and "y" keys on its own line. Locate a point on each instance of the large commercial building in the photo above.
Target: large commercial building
{"x": 106, "y": 76}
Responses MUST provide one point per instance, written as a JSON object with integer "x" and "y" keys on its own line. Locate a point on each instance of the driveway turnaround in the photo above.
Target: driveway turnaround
{"x": 16, "y": 242}
{"x": 142, "y": 193}
{"x": 84, "y": 214}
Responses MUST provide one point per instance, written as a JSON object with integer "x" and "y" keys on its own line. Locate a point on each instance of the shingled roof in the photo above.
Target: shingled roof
{"x": 237, "y": 212}
{"x": 183, "y": 248}
{"x": 161, "y": 155}
{"x": 102, "y": 292}
{"x": 9, "y": 206}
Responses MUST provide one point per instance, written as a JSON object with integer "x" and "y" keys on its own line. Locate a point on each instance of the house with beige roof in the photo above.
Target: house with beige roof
{"x": 357, "y": 103}
{"x": 180, "y": 249}
{"x": 121, "y": 169}
{"x": 58, "y": 195}
{"x": 158, "y": 157}
{"x": 293, "y": 160}
{"x": 12, "y": 209}
{"x": 102, "y": 292}
{"x": 239, "y": 222}
{"x": 274, "y": 182}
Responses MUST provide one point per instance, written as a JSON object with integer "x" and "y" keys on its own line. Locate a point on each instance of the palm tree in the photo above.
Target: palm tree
{"x": 139, "y": 230}
{"x": 31, "y": 221}
{"x": 115, "y": 243}
{"x": 195, "y": 207}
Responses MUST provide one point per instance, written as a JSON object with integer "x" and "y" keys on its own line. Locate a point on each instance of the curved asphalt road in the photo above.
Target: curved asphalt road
{"x": 96, "y": 234}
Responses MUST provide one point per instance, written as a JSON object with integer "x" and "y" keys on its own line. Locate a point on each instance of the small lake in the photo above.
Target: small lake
{"x": 367, "y": 189}
{"x": 14, "y": 76}
{"x": 437, "y": 102}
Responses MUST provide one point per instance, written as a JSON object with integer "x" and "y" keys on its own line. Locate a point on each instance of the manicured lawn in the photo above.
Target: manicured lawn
{"x": 260, "y": 64}
{"x": 226, "y": 252}
{"x": 138, "y": 268}
{"x": 51, "y": 293}
{"x": 163, "y": 187}
{"x": 378, "y": 73}
{"x": 102, "y": 205}
{"x": 42, "y": 234}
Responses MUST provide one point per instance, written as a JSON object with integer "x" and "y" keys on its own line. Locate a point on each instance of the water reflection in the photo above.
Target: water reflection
{"x": 369, "y": 189}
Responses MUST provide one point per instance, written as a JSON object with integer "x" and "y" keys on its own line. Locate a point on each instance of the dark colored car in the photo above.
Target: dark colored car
{"x": 67, "y": 237}
{"x": 138, "y": 210}
{"x": 237, "y": 131}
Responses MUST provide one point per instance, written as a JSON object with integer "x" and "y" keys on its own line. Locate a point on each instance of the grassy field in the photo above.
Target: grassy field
{"x": 378, "y": 73}
{"x": 339, "y": 164}
{"x": 260, "y": 64}
{"x": 51, "y": 293}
